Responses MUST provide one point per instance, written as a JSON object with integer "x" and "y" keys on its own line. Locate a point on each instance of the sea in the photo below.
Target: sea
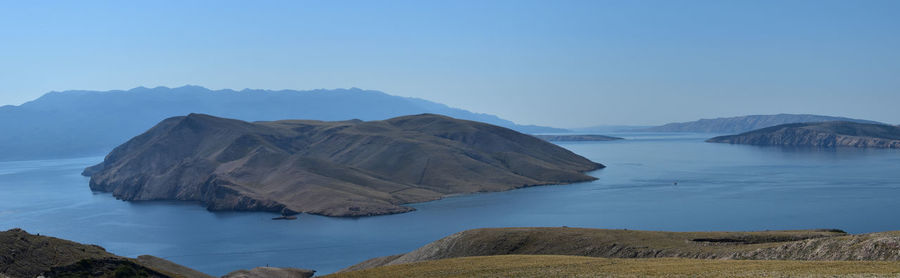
{"x": 653, "y": 181}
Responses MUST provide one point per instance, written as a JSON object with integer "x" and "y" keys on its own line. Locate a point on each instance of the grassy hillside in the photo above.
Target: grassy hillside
{"x": 26, "y": 255}
{"x": 765, "y": 245}
{"x": 576, "y": 266}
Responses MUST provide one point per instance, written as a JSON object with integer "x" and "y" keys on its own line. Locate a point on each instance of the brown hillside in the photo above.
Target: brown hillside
{"x": 349, "y": 168}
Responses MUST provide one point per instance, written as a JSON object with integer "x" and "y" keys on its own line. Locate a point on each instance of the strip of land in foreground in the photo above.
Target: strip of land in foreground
{"x": 579, "y": 266}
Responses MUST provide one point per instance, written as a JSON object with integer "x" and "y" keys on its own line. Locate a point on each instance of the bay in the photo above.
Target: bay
{"x": 654, "y": 181}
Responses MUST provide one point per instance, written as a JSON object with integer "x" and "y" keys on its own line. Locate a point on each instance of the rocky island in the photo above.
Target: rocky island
{"x": 741, "y": 124}
{"x": 341, "y": 168}
{"x": 824, "y": 134}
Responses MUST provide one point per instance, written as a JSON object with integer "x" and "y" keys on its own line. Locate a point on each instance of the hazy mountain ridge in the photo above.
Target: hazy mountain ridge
{"x": 72, "y": 123}
{"x": 747, "y": 123}
{"x": 346, "y": 168}
{"x": 824, "y": 134}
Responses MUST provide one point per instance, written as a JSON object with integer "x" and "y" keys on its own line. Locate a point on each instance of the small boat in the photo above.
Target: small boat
{"x": 286, "y": 214}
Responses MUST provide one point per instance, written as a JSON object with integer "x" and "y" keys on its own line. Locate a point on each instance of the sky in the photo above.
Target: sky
{"x": 557, "y": 63}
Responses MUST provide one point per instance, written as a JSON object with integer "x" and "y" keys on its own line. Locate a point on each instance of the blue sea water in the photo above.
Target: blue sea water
{"x": 719, "y": 187}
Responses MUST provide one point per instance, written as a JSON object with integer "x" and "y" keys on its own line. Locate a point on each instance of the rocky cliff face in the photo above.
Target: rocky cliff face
{"x": 349, "y": 168}
{"x": 827, "y": 134}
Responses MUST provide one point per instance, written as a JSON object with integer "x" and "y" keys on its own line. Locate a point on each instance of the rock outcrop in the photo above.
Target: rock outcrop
{"x": 347, "y": 168}
{"x": 825, "y": 134}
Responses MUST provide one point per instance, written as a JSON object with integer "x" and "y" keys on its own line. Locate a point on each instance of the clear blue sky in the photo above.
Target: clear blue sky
{"x": 559, "y": 63}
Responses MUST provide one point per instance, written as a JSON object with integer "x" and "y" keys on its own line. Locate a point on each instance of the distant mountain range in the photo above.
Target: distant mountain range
{"x": 341, "y": 168}
{"x": 72, "y": 123}
{"x": 747, "y": 123}
{"x": 824, "y": 134}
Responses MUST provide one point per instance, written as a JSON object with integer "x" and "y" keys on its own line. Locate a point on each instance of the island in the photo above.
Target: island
{"x": 575, "y": 138}
{"x": 824, "y": 134}
{"x": 732, "y": 125}
{"x": 339, "y": 168}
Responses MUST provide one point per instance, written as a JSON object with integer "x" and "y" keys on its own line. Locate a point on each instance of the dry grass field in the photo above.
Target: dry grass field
{"x": 577, "y": 266}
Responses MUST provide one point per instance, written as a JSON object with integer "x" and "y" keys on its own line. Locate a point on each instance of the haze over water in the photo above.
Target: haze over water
{"x": 719, "y": 187}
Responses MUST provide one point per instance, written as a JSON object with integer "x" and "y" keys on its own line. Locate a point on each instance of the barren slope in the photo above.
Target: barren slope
{"x": 349, "y": 168}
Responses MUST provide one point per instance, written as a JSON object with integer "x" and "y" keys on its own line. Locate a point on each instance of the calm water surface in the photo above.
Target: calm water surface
{"x": 720, "y": 187}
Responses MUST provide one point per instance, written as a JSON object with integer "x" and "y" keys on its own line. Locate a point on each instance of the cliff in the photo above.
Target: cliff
{"x": 826, "y": 134}
{"x": 347, "y": 168}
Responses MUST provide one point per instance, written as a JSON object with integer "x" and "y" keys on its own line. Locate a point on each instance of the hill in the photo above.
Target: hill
{"x": 27, "y": 255}
{"x": 826, "y": 134}
{"x": 746, "y": 123}
{"x": 768, "y": 245}
{"x": 346, "y": 168}
{"x": 73, "y": 123}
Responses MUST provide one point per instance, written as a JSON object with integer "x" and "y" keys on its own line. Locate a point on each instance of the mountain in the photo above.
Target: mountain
{"x": 767, "y": 245}
{"x": 343, "y": 168}
{"x": 73, "y": 123}
{"x": 825, "y": 134}
{"x": 746, "y": 123}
